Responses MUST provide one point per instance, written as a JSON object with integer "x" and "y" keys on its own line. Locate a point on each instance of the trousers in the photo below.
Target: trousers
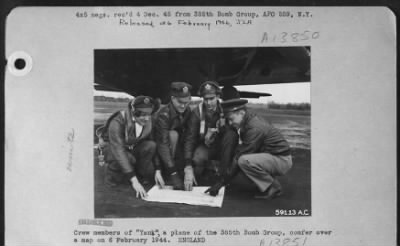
{"x": 175, "y": 143}
{"x": 141, "y": 158}
{"x": 221, "y": 150}
{"x": 262, "y": 168}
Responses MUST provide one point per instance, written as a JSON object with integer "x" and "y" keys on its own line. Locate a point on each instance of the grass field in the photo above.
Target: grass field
{"x": 120, "y": 202}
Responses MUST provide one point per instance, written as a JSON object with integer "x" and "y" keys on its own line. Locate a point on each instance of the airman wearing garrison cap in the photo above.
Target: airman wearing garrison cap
{"x": 171, "y": 125}
{"x": 261, "y": 153}
{"x": 131, "y": 152}
{"x": 208, "y": 139}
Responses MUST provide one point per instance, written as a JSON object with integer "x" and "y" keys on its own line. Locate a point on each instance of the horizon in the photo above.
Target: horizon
{"x": 281, "y": 93}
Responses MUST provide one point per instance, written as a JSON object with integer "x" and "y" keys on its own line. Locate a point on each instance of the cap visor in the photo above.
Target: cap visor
{"x": 145, "y": 110}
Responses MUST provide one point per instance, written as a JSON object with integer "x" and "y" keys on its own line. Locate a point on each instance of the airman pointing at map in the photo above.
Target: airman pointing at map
{"x": 262, "y": 153}
{"x": 171, "y": 126}
{"x": 131, "y": 152}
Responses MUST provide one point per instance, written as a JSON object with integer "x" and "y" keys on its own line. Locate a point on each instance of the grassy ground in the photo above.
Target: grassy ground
{"x": 120, "y": 202}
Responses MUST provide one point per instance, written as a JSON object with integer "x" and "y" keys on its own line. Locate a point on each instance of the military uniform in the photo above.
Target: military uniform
{"x": 208, "y": 138}
{"x": 131, "y": 150}
{"x": 170, "y": 128}
{"x": 262, "y": 153}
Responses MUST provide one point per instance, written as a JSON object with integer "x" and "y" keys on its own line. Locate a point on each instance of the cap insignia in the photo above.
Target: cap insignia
{"x": 185, "y": 89}
{"x": 146, "y": 100}
{"x": 208, "y": 87}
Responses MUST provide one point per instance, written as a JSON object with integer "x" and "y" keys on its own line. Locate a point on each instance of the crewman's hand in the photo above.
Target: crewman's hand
{"x": 213, "y": 190}
{"x": 189, "y": 178}
{"x": 140, "y": 191}
{"x": 159, "y": 179}
{"x": 209, "y": 138}
{"x": 221, "y": 123}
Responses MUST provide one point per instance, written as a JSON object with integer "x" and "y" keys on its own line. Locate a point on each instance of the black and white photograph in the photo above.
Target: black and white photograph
{"x": 211, "y": 125}
{"x": 193, "y": 122}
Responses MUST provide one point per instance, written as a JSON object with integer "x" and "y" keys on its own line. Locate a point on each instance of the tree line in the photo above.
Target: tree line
{"x": 293, "y": 106}
{"x": 110, "y": 99}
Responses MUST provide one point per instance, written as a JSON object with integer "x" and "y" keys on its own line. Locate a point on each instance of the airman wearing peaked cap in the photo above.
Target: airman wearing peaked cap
{"x": 262, "y": 153}
{"x": 209, "y": 87}
{"x": 208, "y": 140}
{"x": 180, "y": 89}
{"x": 233, "y": 105}
{"x": 229, "y": 92}
{"x": 170, "y": 127}
{"x": 131, "y": 151}
{"x": 144, "y": 104}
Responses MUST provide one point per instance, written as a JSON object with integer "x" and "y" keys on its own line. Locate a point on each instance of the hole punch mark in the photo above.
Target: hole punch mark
{"x": 19, "y": 63}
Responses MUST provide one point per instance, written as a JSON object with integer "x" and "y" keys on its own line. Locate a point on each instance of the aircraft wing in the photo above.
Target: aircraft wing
{"x": 251, "y": 94}
{"x": 150, "y": 71}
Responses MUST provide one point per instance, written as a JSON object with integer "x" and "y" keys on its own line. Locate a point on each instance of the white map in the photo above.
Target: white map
{"x": 194, "y": 197}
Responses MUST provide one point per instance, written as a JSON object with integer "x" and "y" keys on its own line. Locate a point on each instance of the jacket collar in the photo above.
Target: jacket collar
{"x": 146, "y": 129}
{"x": 174, "y": 113}
{"x": 130, "y": 124}
{"x": 245, "y": 121}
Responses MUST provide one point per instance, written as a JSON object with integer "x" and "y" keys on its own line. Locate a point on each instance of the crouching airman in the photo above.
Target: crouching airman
{"x": 131, "y": 152}
{"x": 262, "y": 153}
{"x": 208, "y": 140}
{"x": 170, "y": 129}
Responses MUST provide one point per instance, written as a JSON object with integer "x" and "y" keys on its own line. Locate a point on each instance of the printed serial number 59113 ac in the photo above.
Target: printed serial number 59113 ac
{"x": 292, "y": 212}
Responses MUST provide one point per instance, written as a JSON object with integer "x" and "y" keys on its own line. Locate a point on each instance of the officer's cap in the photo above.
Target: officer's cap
{"x": 180, "y": 89}
{"x": 229, "y": 92}
{"x": 143, "y": 103}
{"x": 209, "y": 87}
{"x": 233, "y": 105}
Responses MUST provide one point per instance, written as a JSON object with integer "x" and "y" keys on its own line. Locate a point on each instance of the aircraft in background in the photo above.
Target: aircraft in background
{"x": 150, "y": 71}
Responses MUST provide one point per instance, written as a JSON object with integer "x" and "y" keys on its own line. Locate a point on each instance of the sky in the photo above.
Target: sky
{"x": 112, "y": 94}
{"x": 281, "y": 93}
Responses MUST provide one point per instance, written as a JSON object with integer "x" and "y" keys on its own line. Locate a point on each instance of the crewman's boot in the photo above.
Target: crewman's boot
{"x": 273, "y": 191}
